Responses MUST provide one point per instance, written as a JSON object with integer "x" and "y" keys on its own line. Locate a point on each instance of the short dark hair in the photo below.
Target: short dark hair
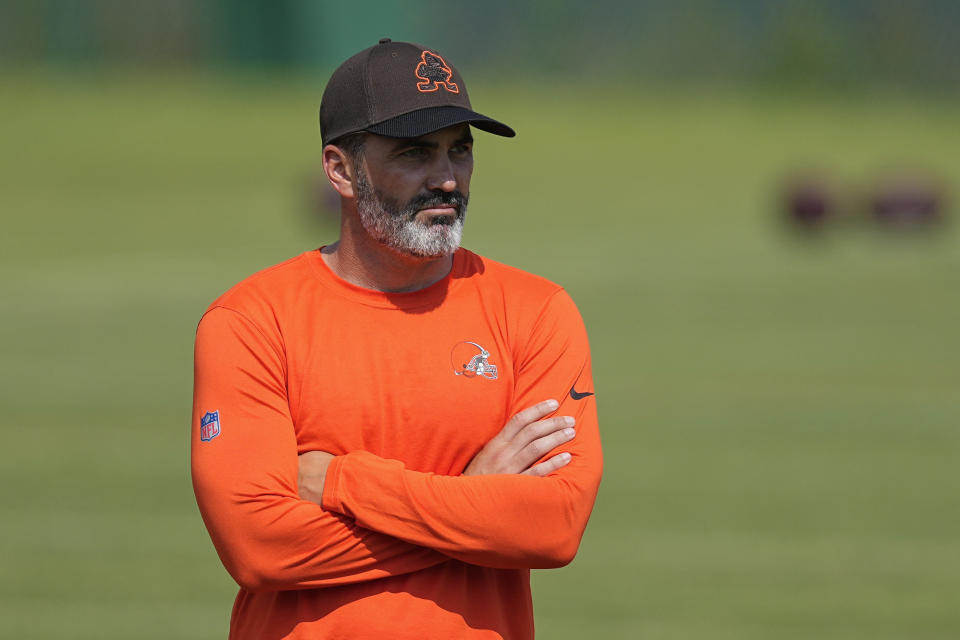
{"x": 352, "y": 144}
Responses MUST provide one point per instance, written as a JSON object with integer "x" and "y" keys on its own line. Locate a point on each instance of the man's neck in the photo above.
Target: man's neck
{"x": 362, "y": 261}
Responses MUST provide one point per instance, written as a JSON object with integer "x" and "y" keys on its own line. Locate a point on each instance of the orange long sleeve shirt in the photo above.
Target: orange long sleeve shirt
{"x": 404, "y": 389}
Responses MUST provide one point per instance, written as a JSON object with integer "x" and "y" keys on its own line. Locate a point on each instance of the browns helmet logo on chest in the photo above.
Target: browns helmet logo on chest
{"x": 470, "y": 360}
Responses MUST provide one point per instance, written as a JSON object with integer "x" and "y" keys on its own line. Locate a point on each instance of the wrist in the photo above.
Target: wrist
{"x": 330, "y": 493}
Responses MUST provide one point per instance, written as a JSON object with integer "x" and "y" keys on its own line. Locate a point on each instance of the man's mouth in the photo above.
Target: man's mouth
{"x": 434, "y": 209}
{"x": 443, "y": 210}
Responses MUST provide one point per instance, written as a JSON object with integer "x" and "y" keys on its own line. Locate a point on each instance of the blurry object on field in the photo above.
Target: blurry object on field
{"x": 809, "y": 201}
{"x": 812, "y": 201}
{"x": 907, "y": 199}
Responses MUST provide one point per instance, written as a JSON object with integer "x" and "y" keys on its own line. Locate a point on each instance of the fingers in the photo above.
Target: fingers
{"x": 549, "y": 465}
{"x": 525, "y": 417}
{"x": 526, "y": 438}
{"x": 560, "y": 430}
{"x": 541, "y": 428}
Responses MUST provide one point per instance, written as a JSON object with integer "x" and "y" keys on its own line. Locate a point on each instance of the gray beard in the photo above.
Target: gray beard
{"x": 397, "y": 228}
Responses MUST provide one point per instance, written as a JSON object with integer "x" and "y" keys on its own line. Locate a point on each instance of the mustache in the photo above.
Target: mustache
{"x": 454, "y": 199}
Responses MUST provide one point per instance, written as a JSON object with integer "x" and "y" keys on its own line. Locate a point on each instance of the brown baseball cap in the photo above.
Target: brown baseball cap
{"x": 400, "y": 90}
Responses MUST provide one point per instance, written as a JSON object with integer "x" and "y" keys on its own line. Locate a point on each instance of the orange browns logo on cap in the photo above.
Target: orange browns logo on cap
{"x": 434, "y": 73}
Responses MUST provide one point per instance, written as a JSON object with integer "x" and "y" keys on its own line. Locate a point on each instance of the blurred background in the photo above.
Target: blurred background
{"x": 751, "y": 202}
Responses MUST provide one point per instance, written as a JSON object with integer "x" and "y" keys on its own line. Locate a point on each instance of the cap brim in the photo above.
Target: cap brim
{"x": 423, "y": 121}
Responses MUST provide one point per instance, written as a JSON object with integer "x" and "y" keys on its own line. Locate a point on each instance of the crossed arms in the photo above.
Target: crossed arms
{"x": 283, "y": 522}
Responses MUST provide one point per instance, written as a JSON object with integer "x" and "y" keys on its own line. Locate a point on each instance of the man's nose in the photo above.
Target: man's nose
{"x": 442, "y": 177}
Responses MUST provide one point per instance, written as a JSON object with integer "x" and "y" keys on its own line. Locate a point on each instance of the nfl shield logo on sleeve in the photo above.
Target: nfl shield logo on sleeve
{"x": 209, "y": 426}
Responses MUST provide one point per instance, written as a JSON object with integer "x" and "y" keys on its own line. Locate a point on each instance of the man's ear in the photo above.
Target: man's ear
{"x": 339, "y": 170}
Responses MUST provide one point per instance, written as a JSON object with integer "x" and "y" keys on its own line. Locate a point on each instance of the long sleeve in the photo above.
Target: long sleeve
{"x": 244, "y": 464}
{"x": 502, "y": 521}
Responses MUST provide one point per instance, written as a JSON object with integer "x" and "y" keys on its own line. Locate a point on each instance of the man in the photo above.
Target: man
{"x": 391, "y": 431}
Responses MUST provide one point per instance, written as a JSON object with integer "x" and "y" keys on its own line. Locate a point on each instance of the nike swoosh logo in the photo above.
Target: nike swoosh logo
{"x": 577, "y": 395}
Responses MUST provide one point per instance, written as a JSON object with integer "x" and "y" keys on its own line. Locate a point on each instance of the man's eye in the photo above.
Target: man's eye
{"x": 414, "y": 152}
{"x": 461, "y": 149}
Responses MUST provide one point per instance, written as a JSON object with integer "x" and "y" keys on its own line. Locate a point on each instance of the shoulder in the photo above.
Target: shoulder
{"x": 511, "y": 280}
{"x": 263, "y": 293}
{"x": 528, "y": 299}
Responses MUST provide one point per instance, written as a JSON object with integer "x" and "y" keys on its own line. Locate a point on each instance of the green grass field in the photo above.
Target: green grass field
{"x": 780, "y": 416}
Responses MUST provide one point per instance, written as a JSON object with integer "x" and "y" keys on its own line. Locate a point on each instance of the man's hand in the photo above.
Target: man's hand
{"x": 313, "y": 471}
{"x": 524, "y": 440}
